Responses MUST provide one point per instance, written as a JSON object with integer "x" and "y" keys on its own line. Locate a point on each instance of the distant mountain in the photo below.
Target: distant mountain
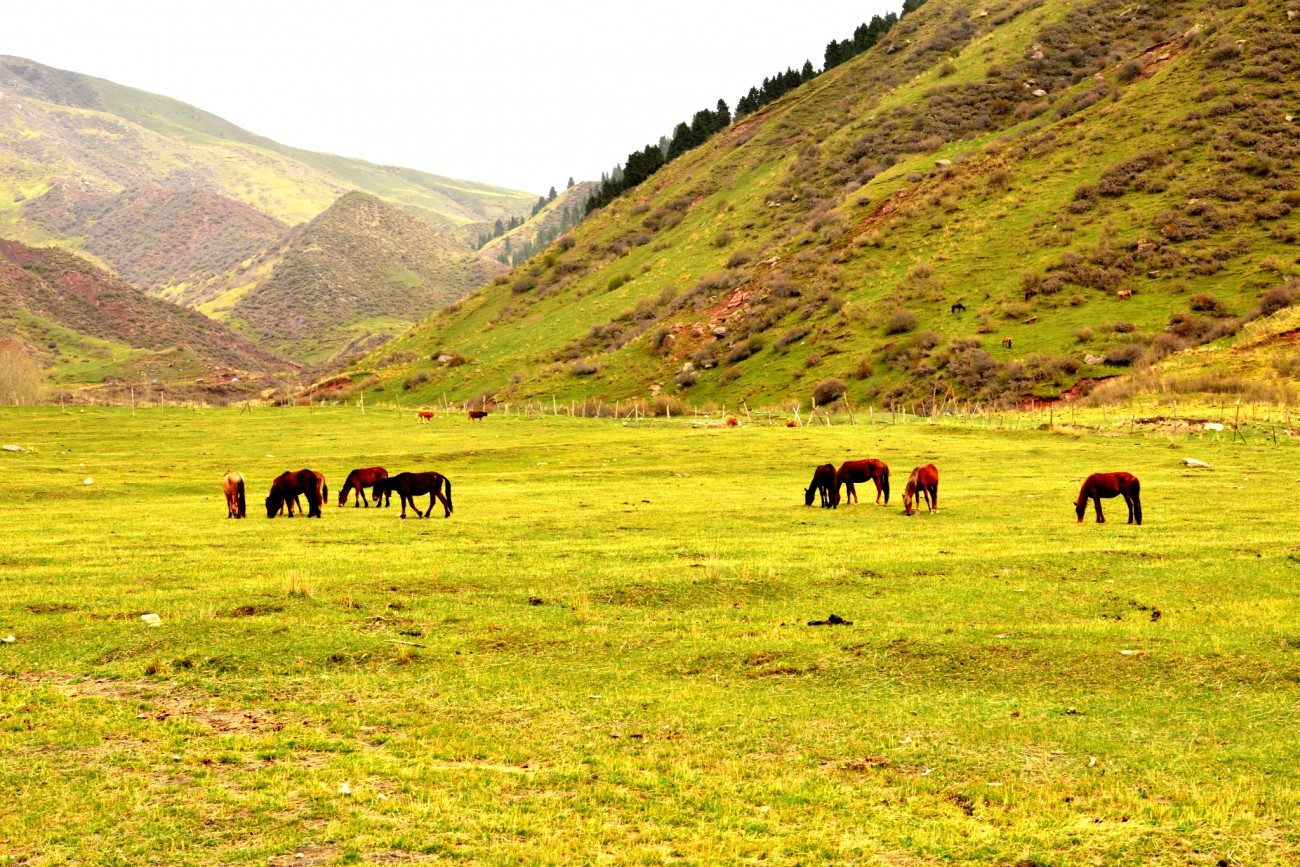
{"x": 364, "y": 269}
{"x": 192, "y": 208}
{"x": 88, "y": 325}
{"x": 996, "y": 200}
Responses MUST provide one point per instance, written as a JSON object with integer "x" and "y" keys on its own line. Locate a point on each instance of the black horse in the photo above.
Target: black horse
{"x": 823, "y": 482}
{"x": 408, "y": 486}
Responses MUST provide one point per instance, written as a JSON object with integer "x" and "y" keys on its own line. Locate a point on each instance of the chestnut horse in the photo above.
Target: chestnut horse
{"x": 1101, "y": 486}
{"x": 232, "y": 483}
{"x": 823, "y": 482}
{"x": 287, "y": 487}
{"x": 411, "y": 485}
{"x": 423, "y": 416}
{"x": 356, "y": 481}
{"x": 924, "y": 482}
{"x": 862, "y": 471}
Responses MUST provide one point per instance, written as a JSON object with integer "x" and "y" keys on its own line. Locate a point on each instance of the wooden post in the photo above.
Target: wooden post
{"x": 132, "y": 401}
{"x": 849, "y": 406}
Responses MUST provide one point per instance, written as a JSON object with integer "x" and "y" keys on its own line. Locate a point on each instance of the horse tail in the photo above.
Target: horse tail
{"x": 884, "y": 484}
{"x": 243, "y": 506}
{"x": 1137, "y": 501}
{"x": 450, "y": 508}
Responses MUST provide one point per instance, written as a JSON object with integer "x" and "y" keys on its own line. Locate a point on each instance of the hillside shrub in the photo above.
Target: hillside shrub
{"x": 742, "y": 351}
{"x": 617, "y": 281}
{"x": 1277, "y": 298}
{"x": 794, "y": 335}
{"x": 583, "y": 367}
{"x": 828, "y": 391}
{"x": 900, "y": 322}
{"x": 524, "y": 284}
{"x": 1124, "y": 355}
{"x": 419, "y": 379}
{"x": 1206, "y": 303}
{"x": 706, "y": 357}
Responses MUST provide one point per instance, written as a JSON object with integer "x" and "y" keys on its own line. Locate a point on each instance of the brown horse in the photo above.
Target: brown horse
{"x": 423, "y": 416}
{"x": 287, "y": 487}
{"x": 924, "y": 482}
{"x": 232, "y": 483}
{"x": 823, "y": 482}
{"x": 358, "y": 480}
{"x": 477, "y": 414}
{"x": 862, "y": 471}
{"x": 1101, "y": 486}
{"x": 408, "y": 486}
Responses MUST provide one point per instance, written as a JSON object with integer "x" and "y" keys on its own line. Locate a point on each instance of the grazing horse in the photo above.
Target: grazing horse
{"x": 287, "y": 487}
{"x": 1125, "y": 294}
{"x": 862, "y": 471}
{"x": 477, "y": 414}
{"x": 1006, "y": 341}
{"x": 232, "y": 483}
{"x": 924, "y": 482}
{"x": 408, "y": 486}
{"x": 823, "y": 482}
{"x": 423, "y": 416}
{"x": 957, "y": 308}
{"x": 356, "y": 481}
{"x": 1101, "y": 486}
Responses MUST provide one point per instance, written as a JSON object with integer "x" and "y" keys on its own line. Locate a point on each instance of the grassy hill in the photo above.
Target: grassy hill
{"x": 1027, "y": 160}
{"x": 361, "y": 271}
{"x": 85, "y": 325}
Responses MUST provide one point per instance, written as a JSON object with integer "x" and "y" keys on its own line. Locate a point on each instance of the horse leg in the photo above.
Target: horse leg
{"x": 879, "y": 491}
{"x": 934, "y": 498}
{"x": 446, "y": 502}
{"x": 1128, "y": 501}
{"x": 1096, "y": 503}
{"x": 402, "y": 497}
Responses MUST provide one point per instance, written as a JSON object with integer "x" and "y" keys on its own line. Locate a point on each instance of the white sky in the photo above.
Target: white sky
{"x": 518, "y": 94}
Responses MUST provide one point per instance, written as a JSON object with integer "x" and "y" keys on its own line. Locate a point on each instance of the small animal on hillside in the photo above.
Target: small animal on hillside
{"x": 862, "y": 471}
{"x": 357, "y": 481}
{"x": 791, "y": 423}
{"x": 408, "y": 486}
{"x": 1125, "y": 294}
{"x": 924, "y": 482}
{"x": 232, "y": 483}
{"x": 1006, "y": 341}
{"x": 957, "y": 308}
{"x": 823, "y": 482}
{"x": 423, "y": 416}
{"x": 1030, "y": 293}
{"x": 477, "y": 414}
{"x": 732, "y": 421}
{"x": 287, "y": 487}
{"x": 1101, "y": 486}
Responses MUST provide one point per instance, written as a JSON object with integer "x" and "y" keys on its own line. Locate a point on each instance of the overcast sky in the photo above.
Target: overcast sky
{"x": 518, "y": 94}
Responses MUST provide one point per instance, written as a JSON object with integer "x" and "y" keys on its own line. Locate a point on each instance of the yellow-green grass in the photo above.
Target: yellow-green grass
{"x": 1003, "y": 696}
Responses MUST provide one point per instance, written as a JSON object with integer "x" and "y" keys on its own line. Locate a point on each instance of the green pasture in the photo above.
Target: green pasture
{"x": 604, "y": 655}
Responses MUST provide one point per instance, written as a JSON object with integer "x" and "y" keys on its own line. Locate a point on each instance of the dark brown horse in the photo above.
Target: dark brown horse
{"x": 357, "y": 480}
{"x": 823, "y": 482}
{"x": 287, "y": 487}
{"x": 924, "y": 482}
{"x": 408, "y": 486}
{"x": 477, "y": 414}
{"x": 1103, "y": 486}
{"x": 862, "y": 471}
{"x": 232, "y": 484}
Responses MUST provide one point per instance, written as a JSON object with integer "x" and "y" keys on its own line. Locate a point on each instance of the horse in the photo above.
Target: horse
{"x": 823, "y": 482}
{"x": 924, "y": 482}
{"x": 287, "y": 487}
{"x": 232, "y": 483}
{"x": 356, "y": 481}
{"x": 477, "y": 414}
{"x": 423, "y": 416}
{"x": 411, "y": 485}
{"x": 1125, "y": 294}
{"x": 1006, "y": 341}
{"x": 862, "y": 471}
{"x": 1101, "y": 486}
{"x": 957, "y": 308}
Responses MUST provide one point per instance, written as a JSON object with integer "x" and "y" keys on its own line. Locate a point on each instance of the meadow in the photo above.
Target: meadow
{"x": 604, "y": 655}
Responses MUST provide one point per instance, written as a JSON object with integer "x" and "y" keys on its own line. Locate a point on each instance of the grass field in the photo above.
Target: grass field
{"x": 604, "y": 657}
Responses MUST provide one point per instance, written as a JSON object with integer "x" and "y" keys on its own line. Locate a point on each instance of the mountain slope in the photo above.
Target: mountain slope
{"x": 90, "y": 325}
{"x": 1027, "y": 161}
{"x": 362, "y": 270}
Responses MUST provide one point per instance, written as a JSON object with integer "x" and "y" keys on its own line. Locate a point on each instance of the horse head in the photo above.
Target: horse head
{"x": 272, "y": 506}
{"x": 808, "y": 495}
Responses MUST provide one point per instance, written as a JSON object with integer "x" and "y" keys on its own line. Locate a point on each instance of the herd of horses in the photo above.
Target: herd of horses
{"x": 289, "y": 486}
{"x": 923, "y": 484}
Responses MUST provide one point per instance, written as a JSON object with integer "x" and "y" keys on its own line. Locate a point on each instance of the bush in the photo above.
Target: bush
{"x": 1206, "y": 303}
{"x": 750, "y": 347}
{"x": 618, "y": 281}
{"x": 1277, "y": 298}
{"x": 1125, "y": 355}
{"x": 794, "y": 335}
{"x": 1129, "y": 71}
{"x": 828, "y": 391}
{"x": 582, "y": 367}
{"x": 419, "y": 379}
{"x": 900, "y": 322}
{"x": 1083, "y": 335}
{"x": 524, "y": 284}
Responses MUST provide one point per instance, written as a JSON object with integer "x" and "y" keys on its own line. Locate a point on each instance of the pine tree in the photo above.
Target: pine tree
{"x": 570, "y": 186}
{"x": 723, "y": 115}
{"x": 550, "y": 197}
